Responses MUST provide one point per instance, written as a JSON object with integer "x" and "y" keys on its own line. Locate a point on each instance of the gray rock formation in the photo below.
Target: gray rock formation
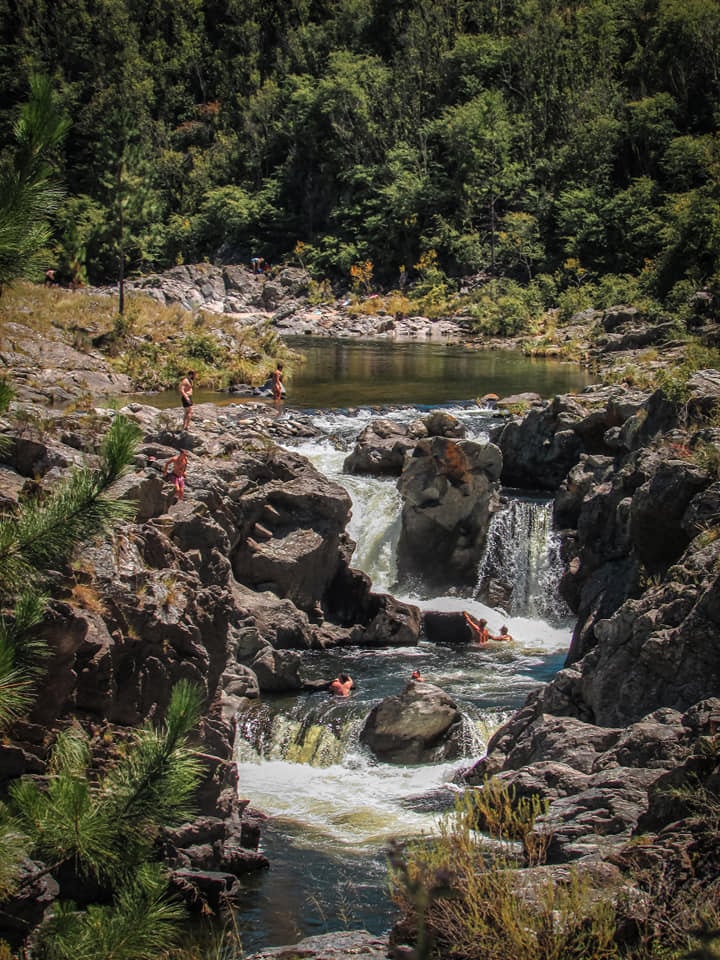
{"x": 358, "y": 944}
{"x": 384, "y": 446}
{"x": 541, "y": 447}
{"x": 449, "y": 490}
{"x": 183, "y": 592}
{"x": 380, "y": 450}
{"x": 420, "y": 725}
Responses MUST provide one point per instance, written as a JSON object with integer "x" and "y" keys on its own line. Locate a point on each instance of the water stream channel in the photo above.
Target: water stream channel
{"x": 332, "y": 806}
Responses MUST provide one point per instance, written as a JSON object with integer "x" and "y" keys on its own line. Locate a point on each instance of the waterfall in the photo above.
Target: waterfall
{"x": 318, "y": 735}
{"x": 521, "y": 567}
{"x": 332, "y": 805}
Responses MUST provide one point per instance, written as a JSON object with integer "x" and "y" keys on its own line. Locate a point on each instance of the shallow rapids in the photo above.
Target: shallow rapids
{"x": 332, "y": 806}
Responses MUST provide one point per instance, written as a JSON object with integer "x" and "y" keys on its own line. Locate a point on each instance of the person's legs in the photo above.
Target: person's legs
{"x": 186, "y": 418}
{"x": 179, "y": 487}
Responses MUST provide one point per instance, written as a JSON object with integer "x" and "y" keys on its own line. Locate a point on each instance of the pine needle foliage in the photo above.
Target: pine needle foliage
{"x": 140, "y": 924}
{"x": 43, "y": 535}
{"x": 28, "y": 192}
{"x": 14, "y": 846}
{"x": 107, "y": 826}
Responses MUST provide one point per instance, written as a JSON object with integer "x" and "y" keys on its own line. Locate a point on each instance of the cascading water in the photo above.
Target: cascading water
{"x": 521, "y": 567}
{"x": 332, "y": 805}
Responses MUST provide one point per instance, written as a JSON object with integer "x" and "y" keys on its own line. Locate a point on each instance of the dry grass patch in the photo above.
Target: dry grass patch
{"x": 153, "y": 344}
{"x": 466, "y": 899}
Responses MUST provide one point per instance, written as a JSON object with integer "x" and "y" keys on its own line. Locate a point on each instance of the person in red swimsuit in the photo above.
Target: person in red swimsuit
{"x": 176, "y": 467}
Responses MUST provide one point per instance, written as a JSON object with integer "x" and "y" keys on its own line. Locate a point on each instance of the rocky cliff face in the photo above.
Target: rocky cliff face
{"x": 225, "y": 588}
{"x": 635, "y": 712}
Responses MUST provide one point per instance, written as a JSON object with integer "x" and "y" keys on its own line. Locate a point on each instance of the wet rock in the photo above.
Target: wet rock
{"x": 203, "y": 889}
{"x": 393, "y": 623}
{"x": 443, "y": 424}
{"x": 277, "y": 670}
{"x": 445, "y": 627}
{"x": 421, "y": 725}
{"x": 450, "y": 490}
{"x": 380, "y": 450}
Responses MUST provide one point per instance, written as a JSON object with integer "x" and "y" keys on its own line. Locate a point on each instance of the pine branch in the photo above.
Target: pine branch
{"x": 43, "y": 536}
{"x": 152, "y": 786}
{"x": 109, "y": 828}
{"x": 140, "y": 925}
{"x": 14, "y": 848}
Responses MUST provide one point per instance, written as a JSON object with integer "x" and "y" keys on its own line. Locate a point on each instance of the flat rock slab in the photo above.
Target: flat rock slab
{"x": 330, "y": 946}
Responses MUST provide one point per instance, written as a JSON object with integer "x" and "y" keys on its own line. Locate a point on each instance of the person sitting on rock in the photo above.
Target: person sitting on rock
{"x": 417, "y": 677}
{"x": 478, "y": 629}
{"x": 342, "y": 685}
{"x": 177, "y": 468}
{"x": 503, "y": 635}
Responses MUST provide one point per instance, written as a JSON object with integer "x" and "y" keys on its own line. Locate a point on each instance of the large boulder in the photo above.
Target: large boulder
{"x": 657, "y": 509}
{"x": 292, "y": 537}
{"x": 420, "y": 725}
{"x": 450, "y": 490}
{"x": 446, "y": 627}
{"x": 380, "y": 450}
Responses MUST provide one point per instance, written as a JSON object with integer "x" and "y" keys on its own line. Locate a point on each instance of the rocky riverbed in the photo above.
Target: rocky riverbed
{"x": 230, "y": 586}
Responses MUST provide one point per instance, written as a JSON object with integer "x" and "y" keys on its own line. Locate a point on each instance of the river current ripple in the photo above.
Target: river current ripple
{"x": 332, "y": 806}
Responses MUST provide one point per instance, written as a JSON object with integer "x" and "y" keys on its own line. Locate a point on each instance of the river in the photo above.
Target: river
{"x": 349, "y": 373}
{"x": 332, "y": 806}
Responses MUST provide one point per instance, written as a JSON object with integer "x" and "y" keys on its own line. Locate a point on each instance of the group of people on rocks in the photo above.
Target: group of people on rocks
{"x": 187, "y": 385}
{"x": 176, "y": 467}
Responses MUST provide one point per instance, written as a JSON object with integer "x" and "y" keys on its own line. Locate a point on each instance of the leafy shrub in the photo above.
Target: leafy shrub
{"x": 202, "y": 347}
{"x": 505, "y": 308}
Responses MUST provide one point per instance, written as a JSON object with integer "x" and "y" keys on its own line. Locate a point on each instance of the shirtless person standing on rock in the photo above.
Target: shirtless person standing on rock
{"x": 186, "y": 391}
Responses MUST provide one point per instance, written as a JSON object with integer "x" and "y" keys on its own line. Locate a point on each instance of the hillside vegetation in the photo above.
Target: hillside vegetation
{"x": 568, "y": 152}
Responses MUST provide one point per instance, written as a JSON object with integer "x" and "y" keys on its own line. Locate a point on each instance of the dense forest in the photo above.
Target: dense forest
{"x": 553, "y": 146}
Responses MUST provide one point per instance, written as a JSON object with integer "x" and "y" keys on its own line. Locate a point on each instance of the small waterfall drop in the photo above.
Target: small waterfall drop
{"x": 333, "y": 806}
{"x": 318, "y": 736}
{"x": 521, "y": 567}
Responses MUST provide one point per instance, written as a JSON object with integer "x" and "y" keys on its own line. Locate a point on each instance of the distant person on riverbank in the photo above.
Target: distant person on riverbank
{"x": 478, "y": 629}
{"x": 503, "y": 635}
{"x": 176, "y": 467}
{"x": 50, "y": 278}
{"x": 342, "y": 685}
{"x": 186, "y": 392}
{"x": 277, "y": 384}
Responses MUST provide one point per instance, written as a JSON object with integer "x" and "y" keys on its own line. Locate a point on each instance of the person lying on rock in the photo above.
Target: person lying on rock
{"x": 176, "y": 467}
{"x": 478, "y": 629}
{"x": 503, "y": 635}
{"x": 342, "y": 685}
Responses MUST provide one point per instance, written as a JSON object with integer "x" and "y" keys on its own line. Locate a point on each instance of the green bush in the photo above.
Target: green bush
{"x": 203, "y": 346}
